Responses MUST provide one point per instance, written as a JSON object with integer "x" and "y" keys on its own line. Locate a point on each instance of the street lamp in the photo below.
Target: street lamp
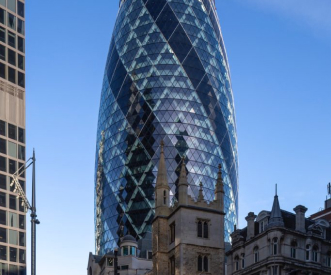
{"x": 25, "y": 202}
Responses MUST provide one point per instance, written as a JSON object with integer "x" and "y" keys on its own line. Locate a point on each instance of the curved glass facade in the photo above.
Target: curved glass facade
{"x": 166, "y": 77}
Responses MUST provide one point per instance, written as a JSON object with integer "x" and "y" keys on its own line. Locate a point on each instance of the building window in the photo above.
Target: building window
{"x": 20, "y": 8}
{"x": 263, "y": 225}
{"x": 307, "y": 252}
{"x": 110, "y": 262}
{"x": 199, "y": 263}
{"x": 236, "y": 263}
{"x": 203, "y": 229}
{"x": 3, "y": 253}
{"x": 256, "y": 254}
{"x": 3, "y": 268}
{"x": 13, "y": 254}
{"x": 205, "y": 263}
{"x": 124, "y": 267}
{"x": 329, "y": 259}
{"x": 172, "y": 265}
{"x": 243, "y": 261}
{"x": 275, "y": 246}
{"x": 125, "y": 250}
{"x": 274, "y": 270}
{"x": 3, "y": 235}
{"x": 172, "y": 232}
{"x": 12, "y": 131}
{"x": 3, "y": 182}
{"x": 2, "y": 128}
{"x": 164, "y": 197}
{"x": 315, "y": 253}
{"x": 3, "y": 164}
{"x": 293, "y": 250}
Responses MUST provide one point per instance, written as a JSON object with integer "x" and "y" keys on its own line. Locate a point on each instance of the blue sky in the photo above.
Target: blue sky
{"x": 279, "y": 54}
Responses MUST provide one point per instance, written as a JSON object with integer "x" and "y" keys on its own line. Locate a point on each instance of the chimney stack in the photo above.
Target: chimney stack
{"x": 250, "y": 225}
{"x": 300, "y": 220}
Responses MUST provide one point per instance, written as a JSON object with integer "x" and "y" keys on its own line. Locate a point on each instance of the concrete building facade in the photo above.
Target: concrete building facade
{"x": 281, "y": 243}
{"x": 12, "y": 135}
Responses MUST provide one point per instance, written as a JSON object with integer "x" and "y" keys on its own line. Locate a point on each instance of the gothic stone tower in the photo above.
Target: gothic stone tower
{"x": 188, "y": 238}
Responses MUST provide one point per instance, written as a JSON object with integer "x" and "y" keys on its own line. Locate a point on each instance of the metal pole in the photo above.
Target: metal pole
{"x": 33, "y": 218}
{"x": 115, "y": 261}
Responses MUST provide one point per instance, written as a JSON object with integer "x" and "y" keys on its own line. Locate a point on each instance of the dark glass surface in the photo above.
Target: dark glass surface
{"x": 22, "y": 256}
{"x": 2, "y": 70}
{"x": 2, "y": 128}
{"x": 21, "y": 152}
{"x": 3, "y": 146}
{"x": 166, "y": 78}
{"x": 21, "y": 239}
{"x": 3, "y": 216}
{"x": 12, "y": 202}
{"x": 2, "y": 16}
{"x": 3, "y": 199}
{"x": 20, "y": 44}
{"x": 4, "y": 269}
{"x": 21, "y": 79}
{"x": 3, "y": 166}
{"x": 11, "y": 75}
{"x": 11, "y": 39}
{"x": 20, "y": 8}
{"x": 2, "y": 52}
{"x": 3, "y": 253}
{"x": 11, "y": 57}
{"x": 21, "y": 221}
{"x": 13, "y": 269}
{"x": 2, "y": 35}
{"x": 12, "y": 166}
{"x": 13, "y": 254}
{"x": 20, "y": 60}
{"x": 11, "y": 21}
{"x": 12, "y": 131}
{"x": 20, "y": 26}
{"x": 3, "y": 235}
{"x": 20, "y": 205}
{"x": 21, "y": 135}
{"x": 22, "y": 270}
{"x": 3, "y": 182}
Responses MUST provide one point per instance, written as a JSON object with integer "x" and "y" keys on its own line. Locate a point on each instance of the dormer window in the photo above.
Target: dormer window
{"x": 263, "y": 225}
{"x": 203, "y": 229}
{"x": 293, "y": 249}
{"x": 243, "y": 260}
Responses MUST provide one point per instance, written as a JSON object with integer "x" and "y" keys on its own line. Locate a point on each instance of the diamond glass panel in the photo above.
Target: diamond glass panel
{"x": 166, "y": 78}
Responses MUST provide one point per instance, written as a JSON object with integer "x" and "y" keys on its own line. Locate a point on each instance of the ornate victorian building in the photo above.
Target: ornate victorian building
{"x": 279, "y": 243}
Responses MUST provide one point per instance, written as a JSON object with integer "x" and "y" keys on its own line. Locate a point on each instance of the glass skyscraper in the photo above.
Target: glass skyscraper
{"x": 12, "y": 136}
{"x": 166, "y": 78}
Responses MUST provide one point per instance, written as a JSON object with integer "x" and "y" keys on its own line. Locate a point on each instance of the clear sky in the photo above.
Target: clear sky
{"x": 279, "y": 54}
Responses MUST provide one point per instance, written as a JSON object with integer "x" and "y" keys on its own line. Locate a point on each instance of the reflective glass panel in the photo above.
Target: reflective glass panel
{"x": 3, "y": 235}
{"x": 13, "y": 237}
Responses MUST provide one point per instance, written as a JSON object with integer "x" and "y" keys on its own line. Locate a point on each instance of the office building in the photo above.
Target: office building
{"x": 166, "y": 78}
{"x": 12, "y": 135}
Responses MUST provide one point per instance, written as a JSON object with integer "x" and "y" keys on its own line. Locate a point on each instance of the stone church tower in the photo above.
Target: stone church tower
{"x": 188, "y": 238}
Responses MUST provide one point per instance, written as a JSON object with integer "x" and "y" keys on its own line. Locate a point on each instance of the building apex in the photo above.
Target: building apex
{"x": 182, "y": 175}
{"x": 200, "y": 197}
{"x": 219, "y": 184}
{"x": 276, "y": 218}
{"x": 162, "y": 179}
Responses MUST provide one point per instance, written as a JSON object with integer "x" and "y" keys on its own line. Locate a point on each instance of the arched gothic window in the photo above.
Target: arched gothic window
{"x": 243, "y": 260}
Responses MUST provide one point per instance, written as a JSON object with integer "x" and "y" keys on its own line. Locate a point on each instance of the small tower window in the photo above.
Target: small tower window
{"x": 199, "y": 263}
{"x": 274, "y": 270}
{"x": 256, "y": 254}
{"x": 275, "y": 246}
{"x": 307, "y": 252}
{"x": 315, "y": 253}
{"x": 164, "y": 197}
{"x": 172, "y": 266}
{"x": 172, "y": 232}
{"x": 200, "y": 230}
{"x": 205, "y": 263}
{"x": 205, "y": 230}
